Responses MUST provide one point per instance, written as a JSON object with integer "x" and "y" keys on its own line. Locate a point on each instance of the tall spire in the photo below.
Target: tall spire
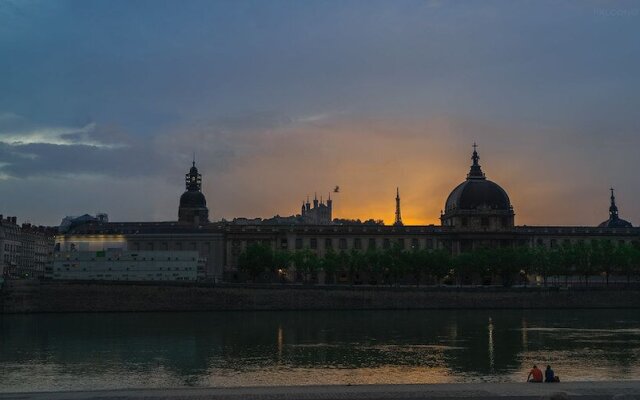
{"x": 398, "y": 221}
{"x": 613, "y": 209}
{"x": 476, "y": 171}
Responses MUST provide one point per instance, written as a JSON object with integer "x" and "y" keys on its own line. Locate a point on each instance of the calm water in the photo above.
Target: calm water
{"x": 80, "y": 351}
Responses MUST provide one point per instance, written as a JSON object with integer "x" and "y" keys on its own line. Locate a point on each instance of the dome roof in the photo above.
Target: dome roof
{"x": 614, "y": 220}
{"x": 477, "y": 194}
{"x": 192, "y": 199}
{"x": 615, "y": 223}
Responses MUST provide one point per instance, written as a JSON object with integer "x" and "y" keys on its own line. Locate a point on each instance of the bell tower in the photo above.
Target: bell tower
{"x": 193, "y": 205}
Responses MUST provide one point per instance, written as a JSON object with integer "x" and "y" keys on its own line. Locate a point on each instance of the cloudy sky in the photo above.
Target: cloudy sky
{"x": 103, "y": 103}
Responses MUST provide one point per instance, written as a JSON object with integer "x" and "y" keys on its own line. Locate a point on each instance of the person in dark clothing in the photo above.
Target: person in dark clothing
{"x": 549, "y": 376}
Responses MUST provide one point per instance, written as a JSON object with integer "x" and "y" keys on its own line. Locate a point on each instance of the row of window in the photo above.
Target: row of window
{"x": 484, "y": 221}
{"x": 554, "y": 242}
{"x": 359, "y": 243}
{"x": 164, "y": 246}
{"x": 12, "y": 247}
{"x": 133, "y": 266}
{"x": 126, "y": 276}
{"x": 134, "y": 259}
{"x": 11, "y": 258}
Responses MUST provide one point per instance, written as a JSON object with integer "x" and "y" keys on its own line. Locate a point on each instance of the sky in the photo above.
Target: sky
{"x": 104, "y": 103}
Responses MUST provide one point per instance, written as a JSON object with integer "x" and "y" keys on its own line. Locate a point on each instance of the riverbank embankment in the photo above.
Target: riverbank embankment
{"x": 521, "y": 391}
{"x": 52, "y": 296}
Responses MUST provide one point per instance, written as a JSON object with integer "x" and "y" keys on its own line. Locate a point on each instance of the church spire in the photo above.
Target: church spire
{"x": 398, "y": 220}
{"x": 475, "y": 172}
{"x": 613, "y": 209}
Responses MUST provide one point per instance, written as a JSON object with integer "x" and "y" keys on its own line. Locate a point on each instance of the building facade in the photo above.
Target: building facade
{"x": 24, "y": 249}
{"x": 477, "y": 214}
{"x": 319, "y": 214}
{"x": 118, "y": 265}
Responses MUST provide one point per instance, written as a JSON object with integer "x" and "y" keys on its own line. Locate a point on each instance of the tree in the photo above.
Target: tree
{"x": 256, "y": 259}
{"x": 392, "y": 263}
{"x": 356, "y": 263}
{"x": 541, "y": 263}
{"x": 329, "y": 265}
{"x": 554, "y": 257}
{"x": 567, "y": 261}
{"x": 440, "y": 264}
{"x": 505, "y": 265}
{"x": 306, "y": 262}
{"x": 634, "y": 261}
{"x": 415, "y": 261}
{"x": 374, "y": 265}
{"x": 281, "y": 262}
{"x": 524, "y": 262}
{"x": 463, "y": 266}
{"x": 627, "y": 260}
{"x": 584, "y": 262}
{"x": 604, "y": 257}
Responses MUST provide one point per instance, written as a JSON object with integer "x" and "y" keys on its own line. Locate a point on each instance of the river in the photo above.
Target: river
{"x": 143, "y": 350}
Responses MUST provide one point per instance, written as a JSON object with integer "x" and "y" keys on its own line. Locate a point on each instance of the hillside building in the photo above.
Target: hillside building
{"x": 319, "y": 214}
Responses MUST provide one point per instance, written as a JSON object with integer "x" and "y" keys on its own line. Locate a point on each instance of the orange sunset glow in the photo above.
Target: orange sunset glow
{"x": 277, "y": 168}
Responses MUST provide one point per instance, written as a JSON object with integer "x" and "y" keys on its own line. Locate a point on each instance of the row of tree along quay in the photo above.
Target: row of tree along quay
{"x": 598, "y": 263}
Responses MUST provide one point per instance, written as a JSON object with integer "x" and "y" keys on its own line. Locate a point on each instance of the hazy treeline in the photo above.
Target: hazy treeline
{"x": 490, "y": 266}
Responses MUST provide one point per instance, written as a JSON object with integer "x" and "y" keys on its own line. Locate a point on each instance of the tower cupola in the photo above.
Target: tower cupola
{"x": 478, "y": 203}
{"x": 614, "y": 220}
{"x": 193, "y": 205}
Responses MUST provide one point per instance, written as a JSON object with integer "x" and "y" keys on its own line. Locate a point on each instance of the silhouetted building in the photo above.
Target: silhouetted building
{"x": 70, "y": 221}
{"x": 193, "y": 206}
{"x": 319, "y": 214}
{"x": 398, "y": 218}
{"x": 614, "y": 220}
{"x": 477, "y": 214}
{"x": 478, "y": 203}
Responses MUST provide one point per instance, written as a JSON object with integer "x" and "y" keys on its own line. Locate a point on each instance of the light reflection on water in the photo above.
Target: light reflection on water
{"x": 92, "y": 351}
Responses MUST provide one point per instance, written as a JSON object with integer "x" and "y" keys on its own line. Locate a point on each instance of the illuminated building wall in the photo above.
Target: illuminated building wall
{"x": 116, "y": 265}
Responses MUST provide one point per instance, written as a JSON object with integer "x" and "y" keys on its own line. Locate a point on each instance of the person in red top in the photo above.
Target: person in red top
{"x": 535, "y": 375}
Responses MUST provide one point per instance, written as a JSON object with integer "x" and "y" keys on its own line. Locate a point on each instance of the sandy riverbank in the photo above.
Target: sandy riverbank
{"x": 582, "y": 390}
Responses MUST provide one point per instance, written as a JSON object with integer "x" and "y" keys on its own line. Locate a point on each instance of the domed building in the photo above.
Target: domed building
{"x": 478, "y": 214}
{"x": 614, "y": 220}
{"x": 478, "y": 203}
{"x": 193, "y": 205}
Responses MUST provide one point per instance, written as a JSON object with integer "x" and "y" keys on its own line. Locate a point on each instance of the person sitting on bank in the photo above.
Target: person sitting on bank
{"x": 549, "y": 375}
{"x": 535, "y": 375}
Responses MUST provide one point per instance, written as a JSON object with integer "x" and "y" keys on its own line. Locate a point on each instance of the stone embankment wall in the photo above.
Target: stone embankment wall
{"x": 17, "y": 297}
